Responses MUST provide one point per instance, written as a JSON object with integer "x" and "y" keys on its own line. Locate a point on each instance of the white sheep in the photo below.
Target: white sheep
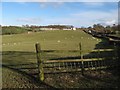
{"x": 58, "y": 41}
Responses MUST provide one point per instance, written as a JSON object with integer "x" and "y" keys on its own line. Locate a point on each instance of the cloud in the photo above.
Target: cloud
{"x": 53, "y": 4}
{"x": 42, "y": 5}
{"x": 29, "y": 20}
{"x": 98, "y": 0}
{"x": 110, "y": 22}
{"x": 60, "y": 0}
{"x": 86, "y": 18}
{"x": 93, "y": 4}
{"x": 24, "y": 0}
{"x": 92, "y": 17}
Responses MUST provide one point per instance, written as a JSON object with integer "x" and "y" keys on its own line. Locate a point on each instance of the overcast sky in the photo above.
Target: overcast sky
{"x": 68, "y": 13}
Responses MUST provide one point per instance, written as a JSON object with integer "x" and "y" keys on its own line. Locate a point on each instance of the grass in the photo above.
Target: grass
{"x": 18, "y": 52}
{"x": 20, "y": 48}
{"x": 49, "y": 40}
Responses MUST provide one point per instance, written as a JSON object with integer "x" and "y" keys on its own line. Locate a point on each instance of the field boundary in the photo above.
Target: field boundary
{"x": 73, "y": 65}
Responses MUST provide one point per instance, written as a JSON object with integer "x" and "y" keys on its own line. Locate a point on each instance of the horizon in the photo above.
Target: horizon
{"x": 55, "y": 24}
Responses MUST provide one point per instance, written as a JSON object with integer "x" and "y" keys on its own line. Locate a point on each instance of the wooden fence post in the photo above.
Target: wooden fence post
{"x": 81, "y": 56}
{"x": 116, "y": 54}
{"x": 39, "y": 61}
{"x": 115, "y": 49}
{"x": 99, "y": 61}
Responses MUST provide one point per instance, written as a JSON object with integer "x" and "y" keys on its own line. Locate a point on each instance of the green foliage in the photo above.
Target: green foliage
{"x": 105, "y": 29}
{"x": 13, "y": 30}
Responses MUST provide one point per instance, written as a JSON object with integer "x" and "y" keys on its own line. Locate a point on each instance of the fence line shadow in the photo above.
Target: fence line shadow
{"x": 13, "y": 60}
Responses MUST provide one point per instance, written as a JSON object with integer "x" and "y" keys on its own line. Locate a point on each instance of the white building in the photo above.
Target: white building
{"x": 74, "y": 28}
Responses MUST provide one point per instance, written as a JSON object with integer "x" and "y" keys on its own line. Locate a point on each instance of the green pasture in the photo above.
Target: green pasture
{"x": 18, "y": 52}
{"x": 49, "y": 40}
{"x": 20, "y": 48}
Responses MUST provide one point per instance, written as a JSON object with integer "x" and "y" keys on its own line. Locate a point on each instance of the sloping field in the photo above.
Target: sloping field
{"x": 50, "y": 40}
{"x": 19, "y": 53}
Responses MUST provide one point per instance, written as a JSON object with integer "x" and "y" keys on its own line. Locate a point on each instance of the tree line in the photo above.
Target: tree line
{"x": 7, "y": 30}
{"x": 33, "y": 28}
{"x": 114, "y": 29}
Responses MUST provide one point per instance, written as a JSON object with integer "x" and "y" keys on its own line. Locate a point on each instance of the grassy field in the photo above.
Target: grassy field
{"x": 50, "y": 40}
{"x": 18, "y": 53}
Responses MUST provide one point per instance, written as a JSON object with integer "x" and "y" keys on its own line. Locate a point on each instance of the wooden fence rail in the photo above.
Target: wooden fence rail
{"x": 74, "y": 65}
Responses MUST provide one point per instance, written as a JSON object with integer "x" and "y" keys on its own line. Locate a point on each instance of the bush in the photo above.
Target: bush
{"x": 13, "y": 30}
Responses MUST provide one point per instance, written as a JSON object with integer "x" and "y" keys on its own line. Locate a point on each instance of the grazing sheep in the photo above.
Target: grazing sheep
{"x": 93, "y": 37}
{"x": 14, "y": 43}
{"x": 58, "y": 41}
{"x": 97, "y": 39}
